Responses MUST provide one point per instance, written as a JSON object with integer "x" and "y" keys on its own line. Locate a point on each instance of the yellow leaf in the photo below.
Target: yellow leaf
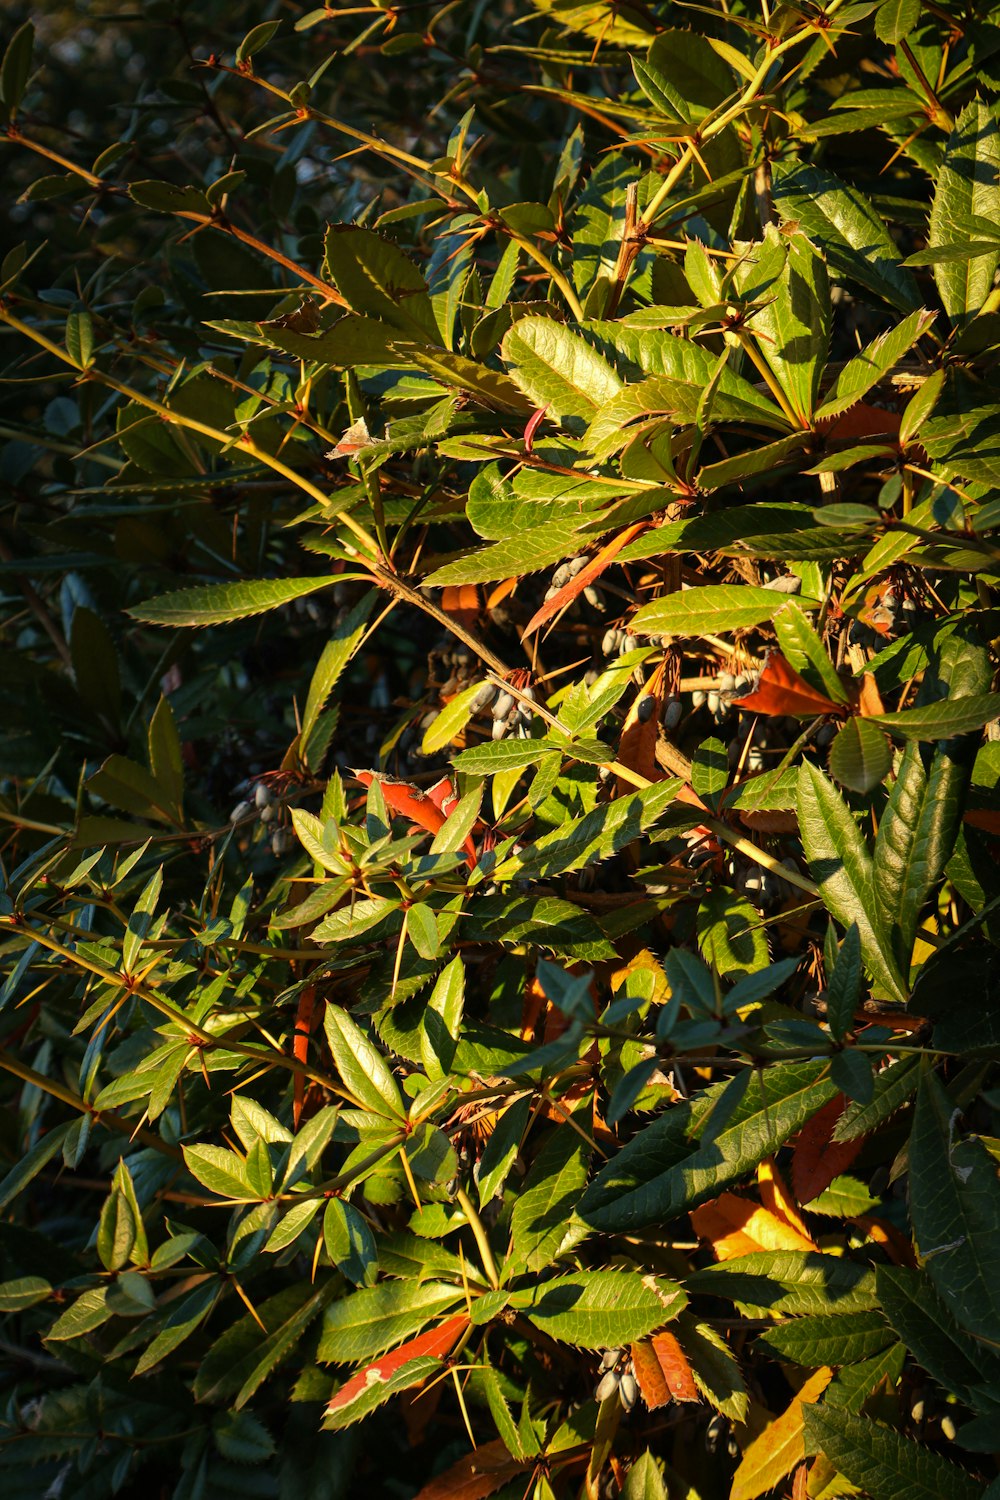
{"x": 737, "y": 1226}
{"x": 775, "y": 1451}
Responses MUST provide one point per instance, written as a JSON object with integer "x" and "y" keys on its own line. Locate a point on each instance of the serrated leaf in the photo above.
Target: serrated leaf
{"x": 837, "y": 217}
{"x": 955, "y": 1211}
{"x": 784, "y": 1283}
{"x": 377, "y": 279}
{"x": 350, "y": 1243}
{"x": 841, "y": 865}
{"x": 967, "y": 184}
{"x": 599, "y": 1309}
{"x": 873, "y": 363}
{"x": 658, "y": 1175}
{"x": 883, "y": 1463}
{"x": 916, "y": 836}
{"x": 957, "y": 1361}
{"x": 558, "y": 369}
{"x": 540, "y": 1222}
{"x": 368, "y": 1322}
{"x": 843, "y": 994}
{"x": 942, "y": 719}
{"x": 893, "y": 1086}
{"x": 336, "y": 654}
{"x": 822, "y": 1339}
{"x": 895, "y": 20}
{"x": 219, "y": 602}
{"x": 711, "y": 609}
{"x": 786, "y": 277}
{"x": 361, "y": 1066}
{"x": 604, "y": 831}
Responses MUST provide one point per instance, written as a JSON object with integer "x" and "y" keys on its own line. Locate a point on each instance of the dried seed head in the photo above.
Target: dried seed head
{"x": 628, "y": 1390}
{"x": 607, "y": 1386}
{"x": 262, "y": 795}
{"x": 610, "y": 642}
{"x": 609, "y": 1358}
{"x": 240, "y": 811}
{"x": 644, "y": 708}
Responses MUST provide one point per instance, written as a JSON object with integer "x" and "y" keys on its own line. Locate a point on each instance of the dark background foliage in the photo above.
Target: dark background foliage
{"x": 697, "y": 964}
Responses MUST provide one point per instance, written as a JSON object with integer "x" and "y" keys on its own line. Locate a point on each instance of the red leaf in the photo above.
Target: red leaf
{"x": 305, "y": 1021}
{"x": 781, "y": 690}
{"x": 422, "y": 808}
{"x": 816, "y": 1159}
{"x": 479, "y": 1474}
{"x": 594, "y": 568}
{"x": 861, "y": 421}
{"x": 437, "y": 1342}
{"x": 662, "y": 1371}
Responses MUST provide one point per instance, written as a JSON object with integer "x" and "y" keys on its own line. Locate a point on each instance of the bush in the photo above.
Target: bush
{"x": 509, "y": 1009}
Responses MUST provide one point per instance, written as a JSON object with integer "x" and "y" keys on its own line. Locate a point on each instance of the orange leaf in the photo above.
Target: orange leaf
{"x": 737, "y": 1226}
{"x": 637, "y": 744}
{"x": 897, "y": 1246}
{"x": 463, "y": 603}
{"x": 816, "y": 1159}
{"x": 594, "y": 568}
{"x": 777, "y": 1199}
{"x": 870, "y": 699}
{"x": 782, "y": 690}
{"x": 662, "y": 1371}
{"x": 479, "y": 1474}
{"x": 775, "y": 1451}
{"x": 861, "y": 421}
{"x": 422, "y": 808}
{"x": 437, "y": 1342}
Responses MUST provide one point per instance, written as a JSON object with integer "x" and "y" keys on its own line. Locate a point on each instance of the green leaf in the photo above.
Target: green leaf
{"x": 362, "y": 1067}
{"x": 856, "y": 242}
{"x": 843, "y": 993}
{"x": 23, "y": 1292}
{"x": 711, "y": 609}
{"x": 942, "y": 719}
{"x": 375, "y": 278}
{"x": 526, "y": 552}
{"x": 786, "y": 276}
{"x": 966, "y": 184}
{"x": 825, "y": 1339}
{"x": 338, "y": 651}
{"x": 493, "y": 390}
{"x": 442, "y": 1020}
{"x": 219, "y": 602}
{"x": 256, "y": 40}
{"x": 658, "y": 1175}
{"x": 501, "y": 1150}
{"x": 956, "y": 1360}
{"x": 860, "y": 756}
{"x": 238, "y": 1363}
{"x": 880, "y": 1461}
{"x": 683, "y": 77}
{"x": 955, "y": 1211}
{"x": 916, "y": 836}
{"x": 873, "y": 363}
{"x": 350, "y": 922}
{"x": 805, "y": 651}
{"x": 644, "y": 1481}
{"x": 15, "y": 70}
{"x": 789, "y": 1283}
{"x": 504, "y": 755}
{"x": 413, "y": 1372}
{"x": 140, "y": 921}
{"x": 166, "y": 758}
{"x": 557, "y": 369}
{"x": 678, "y": 396}
{"x": 222, "y": 1172}
{"x": 599, "y": 834}
{"x": 540, "y": 1223}
{"x": 895, "y": 20}
{"x": 851, "y": 1071}
{"x": 116, "y": 1232}
{"x": 241, "y": 1437}
{"x": 88, "y": 1312}
{"x": 368, "y": 1322}
{"x": 600, "y": 1309}
{"x": 349, "y": 1243}
{"x": 893, "y": 1087}
{"x": 841, "y": 865}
